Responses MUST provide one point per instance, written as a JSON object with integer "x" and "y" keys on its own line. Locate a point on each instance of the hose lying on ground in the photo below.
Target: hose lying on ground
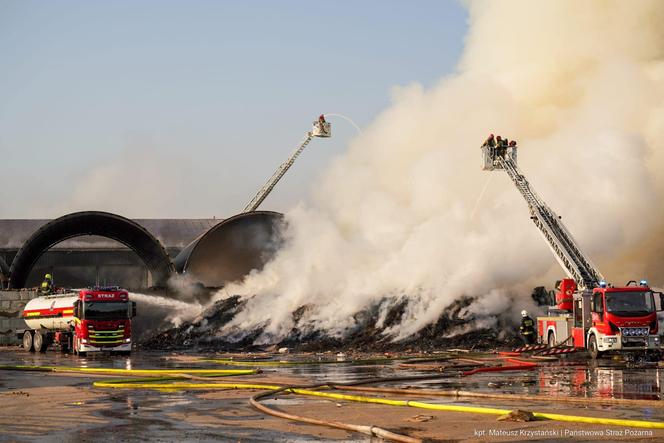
{"x": 517, "y": 365}
{"x": 416, "y": 404}
{"x": 372, "y": 431}
{"x": 231, "y": 362}
{"x": 511, "y": 397}
{"x": 142, "y": 383}
{"x": 129, "y": 371}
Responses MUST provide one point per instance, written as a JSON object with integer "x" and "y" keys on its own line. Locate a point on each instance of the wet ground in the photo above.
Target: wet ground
{"x": 42, "y": 406}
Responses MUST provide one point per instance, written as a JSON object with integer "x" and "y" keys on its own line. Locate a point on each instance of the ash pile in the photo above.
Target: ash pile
{"x": 456, "y": 328}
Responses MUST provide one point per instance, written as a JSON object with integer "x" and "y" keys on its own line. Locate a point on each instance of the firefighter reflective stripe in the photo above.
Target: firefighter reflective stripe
{"x": 527, "y": 326}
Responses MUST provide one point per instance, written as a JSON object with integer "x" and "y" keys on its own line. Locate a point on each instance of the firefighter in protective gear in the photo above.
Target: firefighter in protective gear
{"x": 527, "y": 328}
{"x": 47, "y": 284}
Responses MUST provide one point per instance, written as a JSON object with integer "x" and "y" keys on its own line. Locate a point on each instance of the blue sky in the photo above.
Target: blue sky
{"x": 214, "y": 94}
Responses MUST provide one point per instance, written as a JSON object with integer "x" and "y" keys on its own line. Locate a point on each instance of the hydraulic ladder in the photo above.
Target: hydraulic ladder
{"x": 321, "y": 128}
{"x": 566, "y": 250}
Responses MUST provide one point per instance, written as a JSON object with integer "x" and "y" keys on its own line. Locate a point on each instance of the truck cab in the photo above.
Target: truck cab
{"x": 604, "y": 319}
{"x": 102, "y": 318}
{"x": 621, "y": 319}
{"x": 86, "y": 320}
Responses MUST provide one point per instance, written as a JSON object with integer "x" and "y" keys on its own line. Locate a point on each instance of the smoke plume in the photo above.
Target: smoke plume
{"x": 580, "y": 85}
{"x": 156, "y": 313}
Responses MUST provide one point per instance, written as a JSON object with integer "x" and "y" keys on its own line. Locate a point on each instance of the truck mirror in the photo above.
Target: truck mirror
{"x": 76, "y": 309}
{"x": 133, "y": 309}
{"x": 661, "y": 300}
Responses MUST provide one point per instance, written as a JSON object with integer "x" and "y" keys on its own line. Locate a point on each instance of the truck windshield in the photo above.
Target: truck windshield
{"x": 106, "y": 310}
{"x": 630, "y": 303}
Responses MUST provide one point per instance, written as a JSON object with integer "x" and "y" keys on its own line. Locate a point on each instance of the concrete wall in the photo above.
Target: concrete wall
{"x": 11, "y": 305}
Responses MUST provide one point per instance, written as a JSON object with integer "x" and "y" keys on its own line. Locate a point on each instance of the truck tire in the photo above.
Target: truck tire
{"x": 28, "y": 344}
{"x": 551, "y": 340}
{"x": 39, "y": 340}
{"x": 593, "y": 349}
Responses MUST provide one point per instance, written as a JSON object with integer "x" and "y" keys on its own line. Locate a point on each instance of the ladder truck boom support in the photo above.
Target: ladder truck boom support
{"x": 588, "y": 313}
{"x": 321, "y": 128}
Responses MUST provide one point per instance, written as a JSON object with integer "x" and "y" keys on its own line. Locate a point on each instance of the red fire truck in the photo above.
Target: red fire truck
{"x": 87, "y": 320}
{"x": 588, "y": 312}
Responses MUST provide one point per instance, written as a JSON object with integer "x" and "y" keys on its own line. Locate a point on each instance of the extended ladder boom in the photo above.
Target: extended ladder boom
{"x": 575, "y": 263}
{"x": 321, "y": 128}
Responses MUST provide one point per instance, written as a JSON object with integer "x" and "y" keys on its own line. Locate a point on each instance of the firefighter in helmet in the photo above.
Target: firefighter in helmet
{"x": 527, "y": 328}
{"x": 500, "y": 146}
{"x": 321, "y": 124}
{"x": 47, "y": 284}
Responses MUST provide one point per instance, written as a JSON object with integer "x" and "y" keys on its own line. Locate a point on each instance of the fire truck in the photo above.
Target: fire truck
{"x": 587, "y": 312}
{"x": 86, "y": 320}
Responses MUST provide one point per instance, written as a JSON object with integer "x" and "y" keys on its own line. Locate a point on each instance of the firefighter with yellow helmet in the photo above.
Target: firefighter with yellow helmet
{"x": 47, "y": 284}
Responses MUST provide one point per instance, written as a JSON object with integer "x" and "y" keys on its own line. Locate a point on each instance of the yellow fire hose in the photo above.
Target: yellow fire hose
{"x": 657, "y": 404}
{"x": 383, "y": 401}
{"x": 178, "y": 373}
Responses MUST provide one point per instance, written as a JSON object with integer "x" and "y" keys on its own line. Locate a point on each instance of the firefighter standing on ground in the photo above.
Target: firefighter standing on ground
{"x": 527, "y": 328}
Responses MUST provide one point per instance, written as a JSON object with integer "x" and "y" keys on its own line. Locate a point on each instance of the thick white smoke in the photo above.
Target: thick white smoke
{"x": 580, "y": 85}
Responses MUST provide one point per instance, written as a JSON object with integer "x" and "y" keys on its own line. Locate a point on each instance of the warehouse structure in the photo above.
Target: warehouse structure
{"x": 99, "y": 248}
{"x": 83, "y": 259}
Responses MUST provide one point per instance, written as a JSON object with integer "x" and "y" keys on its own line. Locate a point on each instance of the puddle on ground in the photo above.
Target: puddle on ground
{"x": 137, "y": 412}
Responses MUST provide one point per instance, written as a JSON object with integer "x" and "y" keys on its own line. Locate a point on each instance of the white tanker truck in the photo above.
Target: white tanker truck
{"x": 87, "y": 320}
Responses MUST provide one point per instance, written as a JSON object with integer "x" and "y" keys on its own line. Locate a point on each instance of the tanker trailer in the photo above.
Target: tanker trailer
{"x": 86, "y": 320}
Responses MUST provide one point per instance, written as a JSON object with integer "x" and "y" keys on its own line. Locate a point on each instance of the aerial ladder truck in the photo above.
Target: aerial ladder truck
{"x": 587, "y": 311}
{"x": 321, "y": 128}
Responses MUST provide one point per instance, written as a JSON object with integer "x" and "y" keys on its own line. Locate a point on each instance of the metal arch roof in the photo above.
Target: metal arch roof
{"x": 104, "y": 224}
{"x": 171, "y": 232}
{"x": 232, "y": 248}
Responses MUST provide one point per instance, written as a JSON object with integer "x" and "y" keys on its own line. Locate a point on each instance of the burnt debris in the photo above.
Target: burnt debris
{"x": 455, "y": 328}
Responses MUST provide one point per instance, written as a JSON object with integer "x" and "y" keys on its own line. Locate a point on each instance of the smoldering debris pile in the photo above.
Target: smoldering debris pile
{"x": 455, "y": 328}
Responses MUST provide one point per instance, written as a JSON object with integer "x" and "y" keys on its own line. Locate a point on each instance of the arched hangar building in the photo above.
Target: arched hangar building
{"x": 98, "y": 255}
{"x": 99, "y": 248}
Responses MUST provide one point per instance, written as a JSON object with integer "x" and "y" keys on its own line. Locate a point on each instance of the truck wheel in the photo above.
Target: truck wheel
{"x": 39, "y": 342}
{"x": 551, "y": 340}
{"x": 593, "y": 349}
{"x": 28, "y": 345}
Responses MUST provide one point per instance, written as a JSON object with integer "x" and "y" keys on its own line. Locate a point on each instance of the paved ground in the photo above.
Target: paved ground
{"x": 38, "y": 406}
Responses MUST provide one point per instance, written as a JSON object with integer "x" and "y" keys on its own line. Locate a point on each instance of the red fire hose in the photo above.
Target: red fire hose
{"x": 517, "y": 366}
